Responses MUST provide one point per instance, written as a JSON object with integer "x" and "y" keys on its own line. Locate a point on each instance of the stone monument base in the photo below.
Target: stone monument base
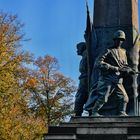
{"x": 91, "y": 128}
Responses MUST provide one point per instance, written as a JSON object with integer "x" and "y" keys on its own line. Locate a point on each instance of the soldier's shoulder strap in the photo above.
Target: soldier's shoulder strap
{"x": 113, "y": 52}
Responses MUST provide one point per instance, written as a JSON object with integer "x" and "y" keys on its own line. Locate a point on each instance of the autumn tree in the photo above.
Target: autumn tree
{"x": 30, "y": 99}
{"x": 52, "y": 92}
{"x": 16, "y": 120}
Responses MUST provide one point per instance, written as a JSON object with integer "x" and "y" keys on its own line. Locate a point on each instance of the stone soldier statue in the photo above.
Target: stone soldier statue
{"x": 112, "y": 65}
{"x": 82, "y": 93}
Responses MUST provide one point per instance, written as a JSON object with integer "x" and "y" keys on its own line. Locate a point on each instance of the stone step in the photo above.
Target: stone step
{"x": 101, "y": 131}
{"x": 133, "y": 137}
{"x": 103, "y": 122}
{"x": 134, "y": 130}
{"x": 105, "y": 119}
{"x": 60, "y": 137}
{"x": 99, "y": 125}
{"x": 102, "y": 137}
{"x": 61, "y": 130}
{"x": 91, "y": 128}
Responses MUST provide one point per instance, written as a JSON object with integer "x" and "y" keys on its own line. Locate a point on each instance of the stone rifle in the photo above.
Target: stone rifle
{"x": 129, "y": 70}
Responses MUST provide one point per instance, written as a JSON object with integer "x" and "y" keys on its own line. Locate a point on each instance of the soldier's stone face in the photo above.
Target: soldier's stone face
{"x": 79, "y": 52}
{"x": 80, "y": 49}
{"x": 118, "y": 42}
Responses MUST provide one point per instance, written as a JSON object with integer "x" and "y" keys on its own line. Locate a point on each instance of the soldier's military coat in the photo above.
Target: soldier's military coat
{"x": 82, "y": 93}
{"x": 110, "y": 79}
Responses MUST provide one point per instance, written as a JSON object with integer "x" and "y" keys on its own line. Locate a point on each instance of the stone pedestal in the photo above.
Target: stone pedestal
{"x": 91, "y": 128}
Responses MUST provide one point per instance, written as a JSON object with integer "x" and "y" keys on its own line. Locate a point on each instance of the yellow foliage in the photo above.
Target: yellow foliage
{"x": 17, "y": 122}
{"x": 18, "y": 84}
{"x": 31, "y": 83}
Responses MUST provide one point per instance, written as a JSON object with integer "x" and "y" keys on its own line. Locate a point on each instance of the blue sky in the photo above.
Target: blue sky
{"x": 54, "y": 26}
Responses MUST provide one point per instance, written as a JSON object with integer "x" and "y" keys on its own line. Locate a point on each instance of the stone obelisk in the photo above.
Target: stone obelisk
{"x": 109, "y": 16}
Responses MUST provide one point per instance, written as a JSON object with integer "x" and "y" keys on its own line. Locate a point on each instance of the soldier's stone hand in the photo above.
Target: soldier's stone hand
{"x": 127, "y": 70}
{"x": 109, "y": 67}
{"x": 116, "y": 69}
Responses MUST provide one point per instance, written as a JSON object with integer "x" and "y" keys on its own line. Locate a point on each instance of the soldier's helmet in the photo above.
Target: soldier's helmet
{"x": 81, "y": 46}
{"x": 119, "y": 35}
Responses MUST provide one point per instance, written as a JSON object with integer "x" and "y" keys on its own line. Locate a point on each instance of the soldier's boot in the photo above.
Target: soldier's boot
{"x": 98, "y": 105}
{"x": 122, "y": 109}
